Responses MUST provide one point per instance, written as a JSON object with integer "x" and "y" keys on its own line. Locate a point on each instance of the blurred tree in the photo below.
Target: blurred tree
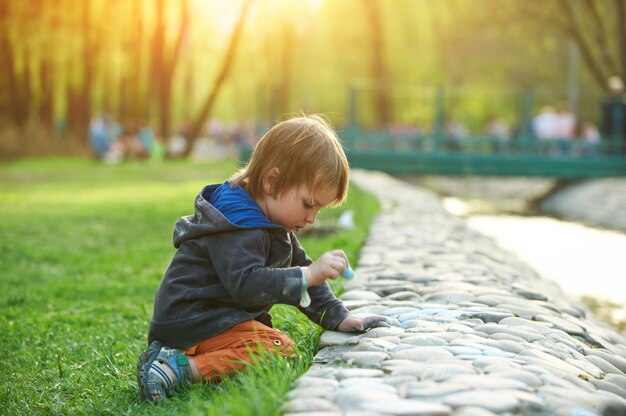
{"x": 138, "y": 107}
{"x": 164, "y": 62}
{"x": 79, "y": 89}
{"x": 378, "y": 73}
{"x": 620, "y": 8}
{"x": 13, "y": 81}
{"x": 227, "y": 62}
{"x": 89, "y": 53}
{"x": 282, "y": 84}
{"x": 66, "y": 60}
{"x": 598, "y": 27}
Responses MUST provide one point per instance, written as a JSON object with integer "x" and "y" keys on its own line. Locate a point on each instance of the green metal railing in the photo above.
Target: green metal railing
{"x": 520, "y": 155}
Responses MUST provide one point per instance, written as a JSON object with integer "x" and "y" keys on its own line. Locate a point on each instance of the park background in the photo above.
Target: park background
{"x": 83, "y": 244}
{"x": 170, "y": 63}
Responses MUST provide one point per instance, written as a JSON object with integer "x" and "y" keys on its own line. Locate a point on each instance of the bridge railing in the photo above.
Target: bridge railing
{"x": 436, "y": 151}
{"x": 373, "y": 140}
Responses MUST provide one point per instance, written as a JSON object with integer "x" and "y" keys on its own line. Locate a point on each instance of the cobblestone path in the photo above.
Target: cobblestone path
{"x": 474, "y": 330}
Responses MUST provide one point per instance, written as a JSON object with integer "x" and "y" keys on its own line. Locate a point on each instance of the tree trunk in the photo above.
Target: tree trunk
{"x": 89, "y": 54}
{"x": 73, "y": 113}
{"x": 137, "y": 63}
{"x": 46, "y": 114}
{"x": 621, "y": 34}
{"x": 73, "y": 90}
{"x": 25, "y": 91}
{"x": 188, "y": 89}
{"x": 45, "y": 73}
{"x": 599, "y": 28}
{"x": 158, "y": 44}
{"x": 284, "y": 84}
{"x": 574, "y": 30}
{"x": 378, "y": 66}
{"x": 169, "y": 68}
{"x": 9, "y": 78}
{"x": 123, "y": 106}
{"x": 205, "y": 111}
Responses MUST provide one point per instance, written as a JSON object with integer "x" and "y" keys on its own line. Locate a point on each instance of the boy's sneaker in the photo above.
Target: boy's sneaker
{"x": 154, "y": 379}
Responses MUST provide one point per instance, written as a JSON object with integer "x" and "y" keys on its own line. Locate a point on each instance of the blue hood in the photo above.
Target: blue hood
{"x": 220, "y": 208}
{"x": 237, "y": 206}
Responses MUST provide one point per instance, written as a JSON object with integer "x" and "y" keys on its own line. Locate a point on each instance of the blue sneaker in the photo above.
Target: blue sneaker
{"x": 155, "y": 383}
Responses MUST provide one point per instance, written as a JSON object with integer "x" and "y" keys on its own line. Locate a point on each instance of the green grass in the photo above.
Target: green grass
{"x": 83, "y": 247}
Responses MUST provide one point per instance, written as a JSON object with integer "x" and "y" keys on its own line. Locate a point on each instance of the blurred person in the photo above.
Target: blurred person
{"x": 498, "y": 129}
{"x": 456, "y": 129}
{"x": 178, "y": 143}
{"x": 590, "y": 133}
{"x": 545, "y": 123}
{"x": 590, "y": 138}
{"x": 455, "y": 132}
{"x": 565, "y": 122}
{"x": 244, "y": 136}
{"x": 146, "y": 136}
{"x": 215, "y": 129}
{"x": 104, "y": 137}
{"x": 132, "y": 146}
{"x": 101, "y": 135}
{"x": 565, "y": 129}
{"x": 176, "y": 146}
{"x": 545, "y": 128}
{"x": 227, "y": 146}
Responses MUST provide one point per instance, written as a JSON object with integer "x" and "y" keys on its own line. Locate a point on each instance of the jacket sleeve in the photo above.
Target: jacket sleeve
{"x": 239, "y": 259}
{"x": 325, "y": 309}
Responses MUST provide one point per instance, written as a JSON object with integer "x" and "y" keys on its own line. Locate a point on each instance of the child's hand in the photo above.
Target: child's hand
{"x": 329, "y": 266}
{"x": 354, "y": 323}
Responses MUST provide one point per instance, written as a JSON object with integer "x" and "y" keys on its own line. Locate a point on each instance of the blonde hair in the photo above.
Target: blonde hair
{"x": 306, "y": 151}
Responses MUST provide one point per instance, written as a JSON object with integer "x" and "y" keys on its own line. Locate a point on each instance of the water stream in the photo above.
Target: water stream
{"x": 586, "y": 262}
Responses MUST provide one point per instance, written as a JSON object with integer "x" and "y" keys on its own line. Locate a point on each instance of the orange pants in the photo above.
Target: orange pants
{"x": 218, "y": 355}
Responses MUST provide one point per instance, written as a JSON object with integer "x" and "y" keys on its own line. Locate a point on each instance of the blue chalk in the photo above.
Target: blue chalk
{"x": 348, "y": 273}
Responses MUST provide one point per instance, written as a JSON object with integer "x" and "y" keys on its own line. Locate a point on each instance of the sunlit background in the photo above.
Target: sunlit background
{"x": 115, "y": 113}
{"x": 170, "y": 62}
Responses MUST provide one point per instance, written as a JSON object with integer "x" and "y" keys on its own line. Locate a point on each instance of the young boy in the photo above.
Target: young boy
{"x": 238, "y": 256}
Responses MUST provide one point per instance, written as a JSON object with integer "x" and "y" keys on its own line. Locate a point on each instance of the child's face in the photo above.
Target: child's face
{"x": 297, "y": 207}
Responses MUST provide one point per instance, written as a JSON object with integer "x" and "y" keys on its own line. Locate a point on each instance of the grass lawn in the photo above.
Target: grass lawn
{"x": 83, "y": 247}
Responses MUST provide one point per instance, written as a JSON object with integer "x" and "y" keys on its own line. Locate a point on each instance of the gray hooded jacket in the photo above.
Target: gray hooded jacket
{"x": 232, "y": 265}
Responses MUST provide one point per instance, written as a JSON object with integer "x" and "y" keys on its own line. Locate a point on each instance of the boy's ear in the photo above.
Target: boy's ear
{"x": 269, "y": 181}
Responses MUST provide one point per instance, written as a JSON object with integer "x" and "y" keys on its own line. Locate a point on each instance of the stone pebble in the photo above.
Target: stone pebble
{"x": 474, "y": 330}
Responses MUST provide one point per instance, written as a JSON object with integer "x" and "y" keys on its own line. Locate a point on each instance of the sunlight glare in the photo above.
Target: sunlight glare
{"x": 222, "y": 15}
